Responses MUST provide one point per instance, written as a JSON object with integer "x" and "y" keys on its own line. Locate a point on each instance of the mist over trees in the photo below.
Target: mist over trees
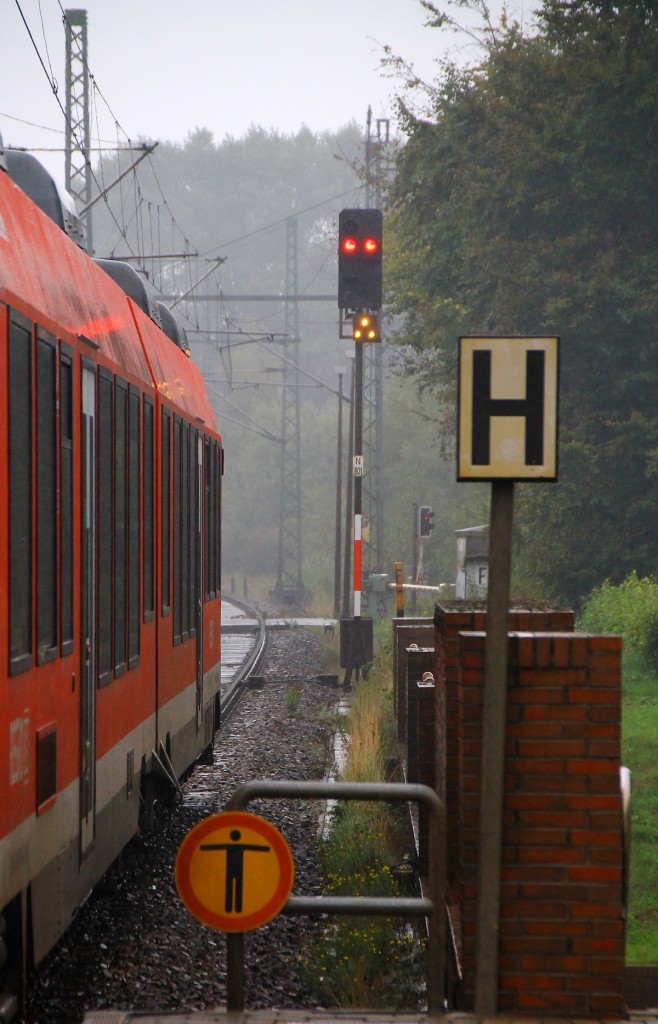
{"x": 524, "y": 203}
{"x": 234, "y": 198}
{"x": 520, "y": 200}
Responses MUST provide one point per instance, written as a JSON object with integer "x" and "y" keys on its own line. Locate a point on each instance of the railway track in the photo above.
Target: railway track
{"x": 133, "y": 944}
{"x": 244, "y": 645}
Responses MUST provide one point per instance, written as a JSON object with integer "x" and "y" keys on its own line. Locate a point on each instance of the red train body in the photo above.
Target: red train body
{"x": 110, "y": 494}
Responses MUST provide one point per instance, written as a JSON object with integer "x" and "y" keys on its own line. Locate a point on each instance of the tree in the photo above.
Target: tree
{"x": 525, "y": 204}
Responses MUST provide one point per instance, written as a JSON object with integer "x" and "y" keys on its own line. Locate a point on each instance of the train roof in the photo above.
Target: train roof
{"x": 33, "y": 179}
{"x": 49, "y": 278}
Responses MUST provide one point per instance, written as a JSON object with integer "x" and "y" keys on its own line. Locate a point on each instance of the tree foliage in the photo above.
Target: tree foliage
{"x": 525, "y": 204}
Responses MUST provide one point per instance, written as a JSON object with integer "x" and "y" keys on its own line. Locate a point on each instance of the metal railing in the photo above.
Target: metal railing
{"x": 432, "y": 906}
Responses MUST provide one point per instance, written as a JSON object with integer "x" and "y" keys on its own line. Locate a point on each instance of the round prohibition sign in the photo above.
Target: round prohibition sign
{"x": 234, "y": 871}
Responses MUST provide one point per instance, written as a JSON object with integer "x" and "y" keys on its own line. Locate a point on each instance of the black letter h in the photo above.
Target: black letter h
{"x": 531, "y": 408}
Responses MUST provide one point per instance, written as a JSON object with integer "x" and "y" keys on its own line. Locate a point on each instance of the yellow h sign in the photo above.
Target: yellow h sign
{"x": 507, "y": 408}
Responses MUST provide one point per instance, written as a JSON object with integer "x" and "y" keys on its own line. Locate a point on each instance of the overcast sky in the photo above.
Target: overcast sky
{"x": 166, "y": 67}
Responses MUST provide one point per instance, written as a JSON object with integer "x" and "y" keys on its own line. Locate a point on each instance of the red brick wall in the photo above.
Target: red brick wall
{"x": 451, "y": 618}
{"x": 562, "y": 933}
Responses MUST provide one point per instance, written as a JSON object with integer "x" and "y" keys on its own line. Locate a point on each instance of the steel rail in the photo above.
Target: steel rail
{"x": 231, "y": 698}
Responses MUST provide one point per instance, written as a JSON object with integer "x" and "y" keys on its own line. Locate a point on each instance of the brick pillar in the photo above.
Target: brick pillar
{"x": 419, "y": 661}
{"x": 562, "y": 929}
{"x": 425, "y": 740}
{"x": 405, "y": 633}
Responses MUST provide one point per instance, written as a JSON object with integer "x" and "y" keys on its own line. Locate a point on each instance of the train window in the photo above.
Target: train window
{"x": 217, "y": 521}
{"x": 166, "y": 511}
{"x": 194, "y": 531}
{"x": 207, "y": 515}
{"x": 66, "y": 499}
{"x": 134, "y": 524}
{"x": 178, "y": 515}
{"x": 149, "y": 606}
{"x": 120, "y": 539}
{"x": 105, "y": 595}
{"x": 46, "y": 495}
{"x": 19, "y": 429}
{"x": 184, "y": 593}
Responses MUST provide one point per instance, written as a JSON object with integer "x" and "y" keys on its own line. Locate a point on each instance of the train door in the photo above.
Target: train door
{"x": 198, "y": 576}
{"x": 88, "y": 630}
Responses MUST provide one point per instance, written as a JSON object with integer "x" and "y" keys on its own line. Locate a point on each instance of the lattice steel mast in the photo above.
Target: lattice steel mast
{"x": 77, "y": 171}
{"x": 289, "y": 585}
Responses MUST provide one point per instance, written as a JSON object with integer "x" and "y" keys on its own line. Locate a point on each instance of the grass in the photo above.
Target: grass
{"x": 366, "y": 961}
{"x": 639, "y": 738}
{"x": 639, "y": 754}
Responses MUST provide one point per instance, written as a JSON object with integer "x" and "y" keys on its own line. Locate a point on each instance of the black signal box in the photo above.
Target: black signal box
{"x": 360, "y": 236}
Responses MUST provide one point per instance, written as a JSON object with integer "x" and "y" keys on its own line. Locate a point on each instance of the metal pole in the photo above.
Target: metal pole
{"x": 492, "y": 774}
{"x": 414, "y": 572}
{"x": 399, "y": 592}
{"x": 357, "y": 469}
{"x": 434, "y": 907}
{"x": 339, "y": 497}
{"x": 348, "y": 511}
{"x": 235, "y": 972}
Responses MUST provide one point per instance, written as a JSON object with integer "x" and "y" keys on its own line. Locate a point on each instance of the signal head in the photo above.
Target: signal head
{"x": 360, "y": 259}
{"x": 365, "y": 327}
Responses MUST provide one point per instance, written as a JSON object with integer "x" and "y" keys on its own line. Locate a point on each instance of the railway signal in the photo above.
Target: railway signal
{"x": 360, "y": 259}
{"x": 365, "y": 327}
{"x": 425, "y": 520}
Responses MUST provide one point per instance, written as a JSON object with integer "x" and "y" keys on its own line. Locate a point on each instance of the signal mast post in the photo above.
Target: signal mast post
{"x": 359, "y": 299}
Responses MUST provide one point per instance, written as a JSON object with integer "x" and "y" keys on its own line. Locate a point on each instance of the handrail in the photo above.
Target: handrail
{"x": 432, "y": 907}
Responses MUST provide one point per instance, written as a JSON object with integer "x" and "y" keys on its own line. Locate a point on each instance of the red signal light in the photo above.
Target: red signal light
{"x": 370, "y": 246}
{"x": 349, "y": 245}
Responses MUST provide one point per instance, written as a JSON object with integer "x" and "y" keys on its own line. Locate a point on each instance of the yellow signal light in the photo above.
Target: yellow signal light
{"x": 365, "y": 327}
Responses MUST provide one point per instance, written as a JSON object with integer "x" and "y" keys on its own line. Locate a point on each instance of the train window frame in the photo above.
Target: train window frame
{"x": 134, "y": 526}
{"x": 177, "y": 504}
{"x": 66, "y": 467}
{"x": 46, "y": 497}
{"x": 184, "y": 578}
{"x": 120, "y": 504}
{"x": 148, "y": 486}
{"x": 104, "y": 579}
{"x": 218, "y": 473}
{"x": 165, "y": 500}
{"x": 20, "y": 512}
{"x": 207, "y": 518}
{"x": 193, "y": 538}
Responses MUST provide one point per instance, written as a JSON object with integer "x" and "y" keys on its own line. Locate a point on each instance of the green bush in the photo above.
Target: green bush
{"x": 629, "y": 609}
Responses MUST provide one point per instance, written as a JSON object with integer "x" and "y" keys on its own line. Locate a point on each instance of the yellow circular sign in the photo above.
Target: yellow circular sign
{"x": 234, "y": 871}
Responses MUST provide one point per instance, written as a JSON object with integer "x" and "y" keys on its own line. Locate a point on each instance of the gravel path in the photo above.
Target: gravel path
{"x": 133, "y": 945}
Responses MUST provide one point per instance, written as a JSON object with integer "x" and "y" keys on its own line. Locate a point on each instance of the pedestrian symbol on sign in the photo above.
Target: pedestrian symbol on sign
{"x": 234, "y": 871}
{"x": 235, "y": 851}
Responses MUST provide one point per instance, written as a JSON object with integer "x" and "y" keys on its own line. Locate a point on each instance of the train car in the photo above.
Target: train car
{"x": 110, "y": 498}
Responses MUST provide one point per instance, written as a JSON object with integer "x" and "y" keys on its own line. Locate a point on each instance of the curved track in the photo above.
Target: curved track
{"x": 244, "y": 642}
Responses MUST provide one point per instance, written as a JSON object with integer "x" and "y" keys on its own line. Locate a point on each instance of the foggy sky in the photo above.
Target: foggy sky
{"x": 166, "y": 67}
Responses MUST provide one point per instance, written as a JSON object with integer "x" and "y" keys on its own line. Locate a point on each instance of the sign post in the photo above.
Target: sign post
{"x": 507, "y": 431}
{"x": 234, "y": 872}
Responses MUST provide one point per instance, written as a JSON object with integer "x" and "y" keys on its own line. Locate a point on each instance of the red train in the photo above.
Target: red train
{"x": 110, "y": 496}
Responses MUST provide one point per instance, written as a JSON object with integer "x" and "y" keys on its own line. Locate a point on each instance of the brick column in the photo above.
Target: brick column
{"x": 562, "y": 928}
{"x": 405, "y": 633}
{"x": 419, "y": 661}
{"x": 425, "y": 740}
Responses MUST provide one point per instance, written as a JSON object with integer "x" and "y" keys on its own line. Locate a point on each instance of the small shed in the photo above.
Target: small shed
{"x": 472, "y": 563}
